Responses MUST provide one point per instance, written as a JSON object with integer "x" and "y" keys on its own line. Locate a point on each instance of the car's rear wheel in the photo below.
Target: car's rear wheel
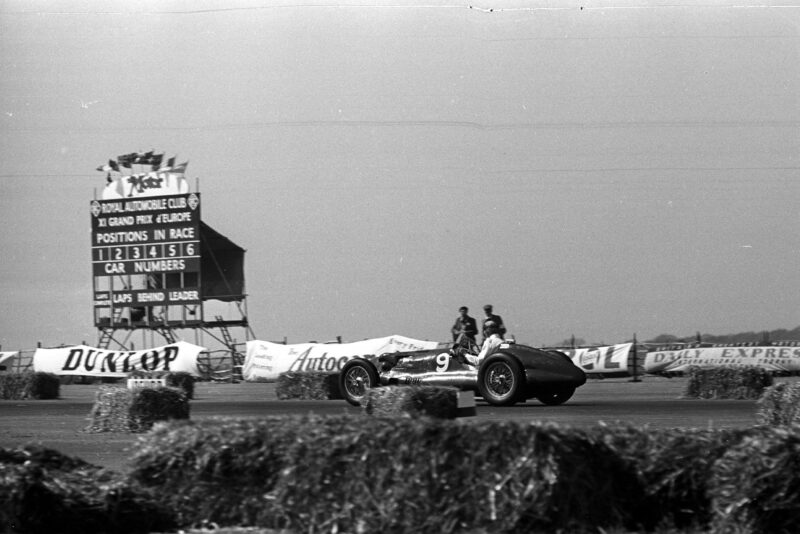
{"x": 501, "y": 380}
{"x": 356, "y": 377}
{"x": 556, "y": 396}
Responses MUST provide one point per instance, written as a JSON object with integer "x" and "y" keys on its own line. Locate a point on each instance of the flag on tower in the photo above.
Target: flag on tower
{"x": 180, "y": 169}
{"x": 155, "y": 161}
{"x": 170, "y": 163}
{"x": 126, "y": 160}
{"x": 143, "y": 159}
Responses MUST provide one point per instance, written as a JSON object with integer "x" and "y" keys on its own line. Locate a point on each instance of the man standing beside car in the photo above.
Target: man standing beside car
{"x": 465, "y": 325}
{"x": 496, "y": 319}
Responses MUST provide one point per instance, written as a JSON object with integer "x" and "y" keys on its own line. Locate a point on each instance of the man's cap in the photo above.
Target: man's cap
{"x": 488, "y": 307}
{"x": 463, "y": 308}
{"x": 489, "y": 324}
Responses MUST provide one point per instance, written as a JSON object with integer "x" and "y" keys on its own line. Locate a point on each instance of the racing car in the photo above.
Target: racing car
{"x": 514, "y": 373}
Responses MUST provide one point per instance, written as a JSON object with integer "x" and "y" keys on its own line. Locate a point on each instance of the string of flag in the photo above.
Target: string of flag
{"x": 163, "y": 177}
{"x": 155, "y": 161}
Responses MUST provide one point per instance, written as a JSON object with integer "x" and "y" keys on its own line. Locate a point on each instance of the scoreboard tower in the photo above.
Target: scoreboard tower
{"x": 156, "y": 266}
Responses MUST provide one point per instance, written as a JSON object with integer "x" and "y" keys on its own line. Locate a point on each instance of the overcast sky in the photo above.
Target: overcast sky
{"x": 601, "y": 171}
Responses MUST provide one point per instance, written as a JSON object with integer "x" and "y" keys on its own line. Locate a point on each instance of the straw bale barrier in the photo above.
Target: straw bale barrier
{"x": 412, "y": 401}
{"x": 180, "y": 379}
{"x": 675, "y": 466}
{"x": 780, "y": 405}
{"x": 392, "y": 475}
{"x": 308, "y": 385}
{"x": 118, "y": 409}
{"x": 42, "y": 490}
{"x": 328, "y": 474}
{"x": 334, "y": 474}
{"x": 756, "y": 484}
{"x": 29, "y": 385}
{"x": 727, "y": 382}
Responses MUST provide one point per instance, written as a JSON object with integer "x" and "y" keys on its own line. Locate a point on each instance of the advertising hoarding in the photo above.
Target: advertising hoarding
{"x": 784, "y": 359}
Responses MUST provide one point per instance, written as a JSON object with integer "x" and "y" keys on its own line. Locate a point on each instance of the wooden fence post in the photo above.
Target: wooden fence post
{"x": 635, "y": 350}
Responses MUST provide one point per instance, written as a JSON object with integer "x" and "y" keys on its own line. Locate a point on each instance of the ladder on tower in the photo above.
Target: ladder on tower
{"x": 226, "y": 336}
{"x": 107, "y": 333}
{"x": 167, "y": 333}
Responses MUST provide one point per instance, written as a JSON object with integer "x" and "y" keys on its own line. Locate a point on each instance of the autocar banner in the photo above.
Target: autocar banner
{"x": 265, "y": 360}
{"x": 612, "y": 360}
{"x": 88, "y": 361}
{"x": 783, "y": 359}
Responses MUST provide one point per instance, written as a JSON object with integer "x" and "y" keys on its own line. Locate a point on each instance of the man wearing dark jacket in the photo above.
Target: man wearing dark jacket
{"x": 496, "y": 319}
{"x": 464, "y": 325}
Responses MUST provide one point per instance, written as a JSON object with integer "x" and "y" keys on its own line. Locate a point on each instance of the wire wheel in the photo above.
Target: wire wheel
{"x": 356, "y": 378}
{"x": 500, "y": 380}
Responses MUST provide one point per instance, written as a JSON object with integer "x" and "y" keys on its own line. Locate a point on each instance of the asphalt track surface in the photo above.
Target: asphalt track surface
{"x": 652, "y": 401}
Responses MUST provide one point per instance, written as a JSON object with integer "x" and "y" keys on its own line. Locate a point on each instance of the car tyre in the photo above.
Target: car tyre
{"x": 556, "y": 396}
{"x": 501, "y": 380}
{"x": 356, "y": 377}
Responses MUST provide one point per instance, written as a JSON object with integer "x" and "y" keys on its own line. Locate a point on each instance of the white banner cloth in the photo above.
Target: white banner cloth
{"x": 147, "y": 184}
{"x": 5, "y": 358}
{"x": 89, "y": 361}
{"x": 609, "y": 360}
{"x": 266, "y": 360}
{"x": 769, "y": 358}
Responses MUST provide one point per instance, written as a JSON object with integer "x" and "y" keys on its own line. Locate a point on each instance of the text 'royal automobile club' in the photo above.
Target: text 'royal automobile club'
{"x": 153, "y": 204}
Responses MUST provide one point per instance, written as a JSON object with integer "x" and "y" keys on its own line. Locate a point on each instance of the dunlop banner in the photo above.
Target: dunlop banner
{"x": 770, "y": 358}
{"x": 265, "y": 360}
{"x": 613, "y": 360}
{"x": 87, "y": 361}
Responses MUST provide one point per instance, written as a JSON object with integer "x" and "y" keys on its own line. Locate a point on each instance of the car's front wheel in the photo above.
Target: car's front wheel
{"x": 356, "y": 377}
{"x": 556, "y": 396}
{"x": 501, "y": 380}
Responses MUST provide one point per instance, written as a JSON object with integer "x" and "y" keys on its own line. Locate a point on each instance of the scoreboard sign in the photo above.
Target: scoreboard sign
{"x": 150, "y": 235}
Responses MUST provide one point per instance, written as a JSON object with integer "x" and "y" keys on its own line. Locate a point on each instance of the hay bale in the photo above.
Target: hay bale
{"x": 217, "y": 471}
{"x": 412, "y": 401}
{"x": 393, "y": 475}
{"x": 779, "y": 405}
{"x": 111, "y": 410}
{"x": 755, "y": 486}
{"x": 118, "y": 409}
{"x": 12, "y": 386}
{"x": 149, "y": 405}
{"x": 727, "y": 382}
{"x": 675, "y": 466}
{"x": 308, "y": 385}
{"x": 29, "y": 385}
{"x": 43, "y": 386}
{"x": 42, "y": 490}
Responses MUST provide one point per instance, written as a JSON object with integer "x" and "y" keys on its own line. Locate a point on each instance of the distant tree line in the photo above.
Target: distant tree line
{"x": 781, "y": 334}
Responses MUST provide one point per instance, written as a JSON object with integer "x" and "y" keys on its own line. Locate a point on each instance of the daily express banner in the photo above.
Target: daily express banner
{"x": 89, "y": 361}
{"x": 265, "y": 360}
{"x": 769, "y": 358}
{"x": 610, "y": 360}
